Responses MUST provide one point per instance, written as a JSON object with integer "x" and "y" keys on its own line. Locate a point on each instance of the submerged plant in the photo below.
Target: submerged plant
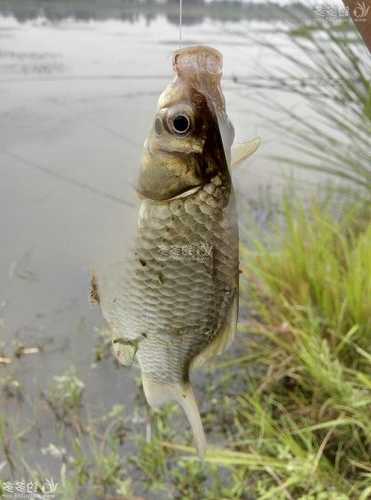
{"x": 65, "y": 393}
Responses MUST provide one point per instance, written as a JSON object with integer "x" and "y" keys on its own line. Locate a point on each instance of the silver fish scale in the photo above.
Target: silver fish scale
{"x": 181, "y": 282}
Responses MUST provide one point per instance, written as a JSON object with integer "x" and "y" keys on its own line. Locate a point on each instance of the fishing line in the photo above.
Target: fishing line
{"x": 180, "y": 23}
{"x": 67, "y": 179}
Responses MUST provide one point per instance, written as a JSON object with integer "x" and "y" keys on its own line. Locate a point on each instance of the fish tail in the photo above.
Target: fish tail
{"x": 158, "y": 394}
{"x": 187, "y": 401}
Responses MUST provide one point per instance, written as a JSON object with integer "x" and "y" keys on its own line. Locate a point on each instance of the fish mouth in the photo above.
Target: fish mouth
{"x": 198, "y": 59}
{"x": 201, "y": 67}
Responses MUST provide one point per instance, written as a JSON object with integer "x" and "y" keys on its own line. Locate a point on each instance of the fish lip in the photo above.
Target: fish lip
{"x": 201, "y": 67}
{"x": 212, "y": 60}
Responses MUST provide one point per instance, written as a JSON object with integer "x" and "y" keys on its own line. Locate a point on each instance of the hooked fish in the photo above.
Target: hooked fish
{"x": 178, "y": 303}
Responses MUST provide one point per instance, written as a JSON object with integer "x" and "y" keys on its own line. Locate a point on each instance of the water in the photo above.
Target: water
{"x": 78, "y": 88}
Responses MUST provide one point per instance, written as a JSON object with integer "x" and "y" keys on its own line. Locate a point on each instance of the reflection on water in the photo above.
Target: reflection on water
{"x": 195, "y": 11}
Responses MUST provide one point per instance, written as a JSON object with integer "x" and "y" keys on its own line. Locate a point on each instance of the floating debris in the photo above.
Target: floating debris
{"x": 5, "y": 360}
{"x": 94, "y": 293}
{"x": 24, "y": 351}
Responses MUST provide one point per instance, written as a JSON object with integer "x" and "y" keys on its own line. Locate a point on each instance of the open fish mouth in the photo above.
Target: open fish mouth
{"x": 201, "y": 67}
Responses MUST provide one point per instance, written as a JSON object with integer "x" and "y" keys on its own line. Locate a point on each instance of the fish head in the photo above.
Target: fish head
{"x": 191, "y": 137}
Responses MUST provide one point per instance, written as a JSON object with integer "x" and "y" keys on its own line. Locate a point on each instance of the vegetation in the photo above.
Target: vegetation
{"x": 66, "y": 391}
{"x": 330, "y": 69}
{"x": 306, "y": 425}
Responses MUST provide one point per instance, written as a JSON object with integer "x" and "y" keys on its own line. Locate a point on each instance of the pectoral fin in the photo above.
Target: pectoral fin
{"x": 124, "y": 351}
{"x": 241, "y": 152}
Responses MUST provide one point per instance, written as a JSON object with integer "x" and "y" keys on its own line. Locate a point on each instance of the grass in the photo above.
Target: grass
{"x": 330, "y": 131}
{"x": 305, "y": 429}
{"x": 65, "y": 394}
{"x": 304, "y": 422}
{"x": 302, "y": 425}
{"x": 85, "y": 454}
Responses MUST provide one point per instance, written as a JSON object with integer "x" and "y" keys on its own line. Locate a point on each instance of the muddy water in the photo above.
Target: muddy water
{"x": 76, "y": 100}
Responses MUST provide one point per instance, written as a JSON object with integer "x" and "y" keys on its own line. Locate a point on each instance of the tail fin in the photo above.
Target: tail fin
{"x": 158, "y": 394}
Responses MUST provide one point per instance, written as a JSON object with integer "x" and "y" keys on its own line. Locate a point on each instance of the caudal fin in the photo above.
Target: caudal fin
{"x": 158, "y": 394}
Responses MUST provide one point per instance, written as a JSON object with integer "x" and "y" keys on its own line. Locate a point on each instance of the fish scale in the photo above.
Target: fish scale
{"x": 161, "y": 293}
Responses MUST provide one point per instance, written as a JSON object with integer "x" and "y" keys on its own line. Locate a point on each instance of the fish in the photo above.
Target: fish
{"x": 176, "y": 304}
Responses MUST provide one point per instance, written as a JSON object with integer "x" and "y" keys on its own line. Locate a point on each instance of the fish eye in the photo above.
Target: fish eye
{"x": 180, "y": 124}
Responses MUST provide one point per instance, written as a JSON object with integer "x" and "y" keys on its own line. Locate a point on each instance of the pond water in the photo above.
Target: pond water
{"x": 78, "y": 88}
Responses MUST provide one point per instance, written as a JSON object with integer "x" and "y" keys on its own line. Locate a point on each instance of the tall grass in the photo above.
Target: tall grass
{"x": 330, "y": 68}
{"x": 305, "y": 426}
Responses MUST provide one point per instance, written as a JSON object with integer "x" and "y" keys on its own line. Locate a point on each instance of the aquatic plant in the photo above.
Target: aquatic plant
{"x": 65, "y": 393}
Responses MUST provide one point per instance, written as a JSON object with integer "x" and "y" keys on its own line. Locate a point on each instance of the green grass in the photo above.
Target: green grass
{"x": 304, "y": 423}
{"x": 66, "y": 392}
{"x": 330, "y": 131}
